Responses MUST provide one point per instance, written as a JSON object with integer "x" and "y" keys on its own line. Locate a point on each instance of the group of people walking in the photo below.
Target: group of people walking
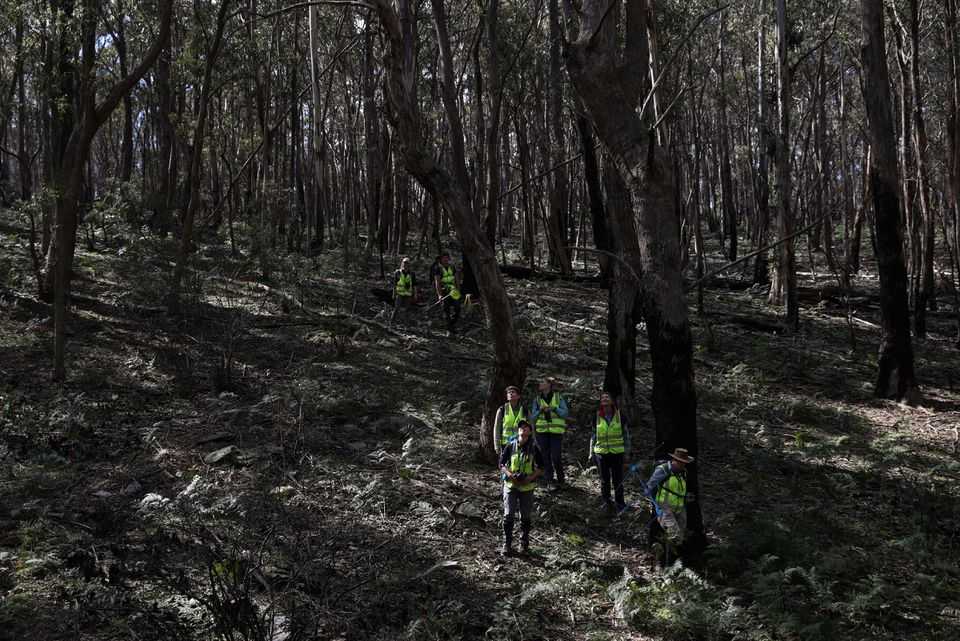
{"x": 446, "y": 282}
{"x": 529, "y": 442}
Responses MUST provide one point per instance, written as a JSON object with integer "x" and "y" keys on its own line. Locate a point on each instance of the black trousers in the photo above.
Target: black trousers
{"x": 611, "y": 470}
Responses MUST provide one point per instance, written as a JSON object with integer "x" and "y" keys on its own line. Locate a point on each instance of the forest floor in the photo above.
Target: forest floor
{"x": 283, "y": 462}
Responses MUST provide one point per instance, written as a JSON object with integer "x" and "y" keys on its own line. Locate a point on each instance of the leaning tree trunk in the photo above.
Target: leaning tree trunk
{"x": 403, "y": 111}
{"x": 610, "y": 78}
{"x": 896, "y": 350}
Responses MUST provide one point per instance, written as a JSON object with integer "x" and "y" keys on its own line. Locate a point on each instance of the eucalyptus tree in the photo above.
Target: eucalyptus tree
{"x": 896, "y": 349}
{"x": 608, "y": 62}
{"x": 90, "y": 115}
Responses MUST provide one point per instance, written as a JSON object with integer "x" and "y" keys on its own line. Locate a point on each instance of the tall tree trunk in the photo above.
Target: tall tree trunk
{"x": 194, "y": 177}
{"x": 761, "y": 272}
{"x": 419, "y": 157}
{"x": 598, "y": 215}
{"x": 126, "y": 146}
{"x": 610, "y": 78}
{"x": 560, "y": 192}
{"x": 785, "y": 287}
{"x": 953, "y": 145}
{"x": 927, "y": 295}
{"x": 896, "y": 350}
{"x": 624, "y": 306}
{"x": 729, "y": 215}
{"x": 69, "y": 178}
{"x": 492, "y": 214}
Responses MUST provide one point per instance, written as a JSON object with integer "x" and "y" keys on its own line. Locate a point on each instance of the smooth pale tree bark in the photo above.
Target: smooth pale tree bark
{"x": 194, "y": 177}
{"x": 69, "y": 178}
{"x": 509, "y": 367}
{"x": 896, "y": 349}
{"x": 608, "y": 66}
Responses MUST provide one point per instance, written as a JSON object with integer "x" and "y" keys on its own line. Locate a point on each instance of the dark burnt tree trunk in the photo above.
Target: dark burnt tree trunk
{"x": 896, "y": 350}
{"x": 403, "y": 111}
{"x": 610, "y": 80}
{"x": 624, "y": 307}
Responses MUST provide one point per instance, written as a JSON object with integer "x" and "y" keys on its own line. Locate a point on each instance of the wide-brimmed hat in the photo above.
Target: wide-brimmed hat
{"x": 682, "y": 455}
{"x": 513, "y": 388}
{"x": 523, "y": 422}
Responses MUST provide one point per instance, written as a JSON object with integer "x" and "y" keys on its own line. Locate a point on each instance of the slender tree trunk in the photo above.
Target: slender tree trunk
{"x": 896, "y": 350}
{"x": 492, "y": 214}
{"x": 927, "y": 294}
{"x": 598, "y": 214}
{"x": 729, "y": 215}
{"x": 194, "y": 177}
{"x": 787, "y": 270}
{"x": 761, "y": 273}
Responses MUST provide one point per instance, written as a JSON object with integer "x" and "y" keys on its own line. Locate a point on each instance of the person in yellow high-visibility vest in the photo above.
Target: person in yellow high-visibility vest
{"x": 610, "y": 446}
{"x": 508, "y": 417}
{"x": 404, "y": 289}
{"x": 446, "y": 282}
{"x": 667, "y": 487}
{"x": 549, "y": 413}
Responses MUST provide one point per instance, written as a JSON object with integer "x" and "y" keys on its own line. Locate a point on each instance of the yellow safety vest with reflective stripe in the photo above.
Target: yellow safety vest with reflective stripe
{"x": 556, "y": 424}
{"x": 404, "y": 286}
{"x": 673, "y": 492}
{"x": 510, "y": 419}
{"x": 523, "y": 463}
{"x": 609, "y": 438}
{"x": 449, "y": 282}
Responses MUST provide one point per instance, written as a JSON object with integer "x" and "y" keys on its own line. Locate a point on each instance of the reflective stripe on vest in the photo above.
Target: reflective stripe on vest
{"x": 523, "y": 463}
{"x": 404, "y": 286}
{"x": 510, "y": 420}
{"x": 673, "y": 492}
{"x": 556, "y": 424}
{"x": 609, "y": 439}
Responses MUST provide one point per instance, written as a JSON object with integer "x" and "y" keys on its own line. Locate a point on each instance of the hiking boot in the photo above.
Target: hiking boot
{"x": 605, "y": 505}
{"x": 507, "y": 550}
{"x": 621, "y": 508}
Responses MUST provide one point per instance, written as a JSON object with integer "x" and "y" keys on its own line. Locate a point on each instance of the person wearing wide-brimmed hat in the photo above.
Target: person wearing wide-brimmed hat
{"x": 667, "y": 488}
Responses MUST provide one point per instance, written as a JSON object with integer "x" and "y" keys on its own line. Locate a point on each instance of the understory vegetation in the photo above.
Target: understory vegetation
{"x": 284, "y": 462}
